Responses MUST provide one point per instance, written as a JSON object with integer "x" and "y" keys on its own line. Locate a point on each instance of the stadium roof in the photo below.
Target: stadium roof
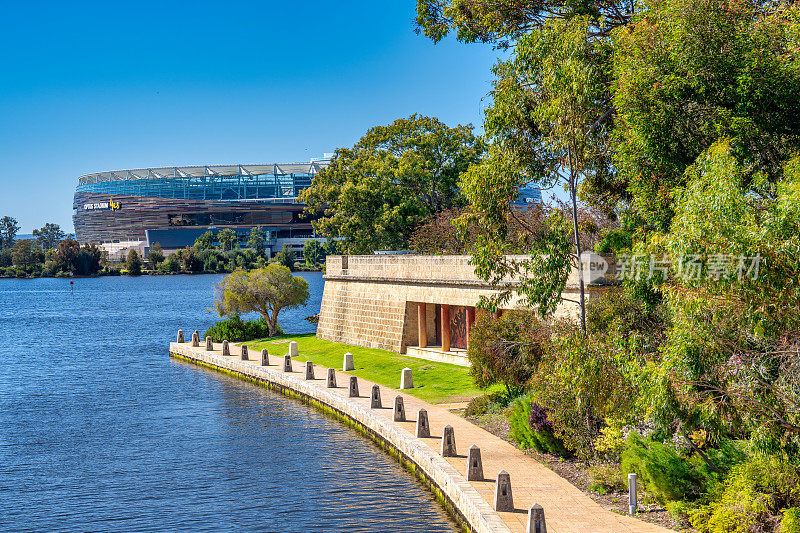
{"x": 202, "y": 171}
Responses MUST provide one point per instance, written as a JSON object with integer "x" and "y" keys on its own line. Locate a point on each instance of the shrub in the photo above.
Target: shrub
{"x": 606, "y": 478}
{"x": 234, "y": 329}
{"x": 170, "y": 264}
{"x": 582, "y": 382}
{"x": 611, "y": 442}
{"x": 507, "y": 350}
{"x": 752, "y": 498}
{"x": 531, "y": 429}
{"x": 665, "y": 474}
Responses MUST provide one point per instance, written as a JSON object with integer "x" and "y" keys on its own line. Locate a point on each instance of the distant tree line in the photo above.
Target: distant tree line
{"x": 54, "y": 253}
{"x": 50, "y": 253}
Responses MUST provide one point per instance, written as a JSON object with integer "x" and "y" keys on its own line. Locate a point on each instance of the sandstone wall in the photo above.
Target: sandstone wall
{"x": 371, "y": 300}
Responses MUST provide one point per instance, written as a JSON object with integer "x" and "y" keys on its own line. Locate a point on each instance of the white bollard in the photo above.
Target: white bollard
{"x": 406, "y": 379}
{"x": 633, "y": 502}
{"x": 293, "y": 351}
{"x": 347, "y": 364}
{"x": 503, "y": 499}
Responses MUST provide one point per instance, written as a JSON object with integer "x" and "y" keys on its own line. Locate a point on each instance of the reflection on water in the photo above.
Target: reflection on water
{"x": 101, "y": 431}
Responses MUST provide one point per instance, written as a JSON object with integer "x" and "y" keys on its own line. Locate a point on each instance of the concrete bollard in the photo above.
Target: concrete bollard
{"x": 293, "y": 351}
{"x": 310, "y": 370}
{"x": 195, "y": 339}
{"x": 474, "y": 464}
{"x": 180, "y": 335}
{"x": 225, "y": 348}
{"x": 347, "y": 364}
{"x": 264, "y": 357}
{"x": 448, "y": 442}
{"x": 423, "y": 428}
{"x": 287, "y": 363}
{"x": 503, "y": 499}
{"x": 375, "y": 398}
{"x": 353, "y": 389}
{"x": 406, "y": 379}
{"x": 633, "y": 502}
{"x": 536, "y": 523}
{"x": 209, "y": 344}
{"x": 331, "y": 381}
{"x": 399, "y": 412}
{"x": 245, "y": 353}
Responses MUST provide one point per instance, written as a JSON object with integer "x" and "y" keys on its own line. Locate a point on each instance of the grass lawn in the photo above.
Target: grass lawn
{"x": 433, "y": 382}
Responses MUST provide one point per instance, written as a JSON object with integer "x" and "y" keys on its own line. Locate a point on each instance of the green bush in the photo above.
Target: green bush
{"x": 757, "y": 495}
{"x": 670, "y": 476}
{"x": 606, "y": 478}
{"x": 790, "y": 523}
{"x": 665, "y": 474}
{"x": 507, "y": 350}
{"x": 526, "y": 435}
{"x": 235, "y": 329}
{"x": 487, "y": 403}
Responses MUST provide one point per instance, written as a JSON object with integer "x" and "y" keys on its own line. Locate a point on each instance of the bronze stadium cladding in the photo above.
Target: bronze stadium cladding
{"x": 137, "y": 213}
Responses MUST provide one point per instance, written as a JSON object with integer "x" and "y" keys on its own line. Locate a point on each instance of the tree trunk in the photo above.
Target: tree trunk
{"x": 272, "y": 323}
{"x": 573, "y": 197}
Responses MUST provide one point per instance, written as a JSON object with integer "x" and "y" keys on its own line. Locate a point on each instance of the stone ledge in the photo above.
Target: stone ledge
{"x": 441, "y": 282}
{"x": 459, "y": 496}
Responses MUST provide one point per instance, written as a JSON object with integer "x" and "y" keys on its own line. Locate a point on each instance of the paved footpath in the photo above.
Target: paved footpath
{"x": 567, "y": 509}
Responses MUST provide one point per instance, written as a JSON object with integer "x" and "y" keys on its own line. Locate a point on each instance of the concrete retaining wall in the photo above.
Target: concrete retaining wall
{"x": 449, "y": 486}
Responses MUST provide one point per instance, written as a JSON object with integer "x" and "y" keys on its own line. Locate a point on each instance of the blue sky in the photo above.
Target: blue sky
{"x": 91, "y": 86}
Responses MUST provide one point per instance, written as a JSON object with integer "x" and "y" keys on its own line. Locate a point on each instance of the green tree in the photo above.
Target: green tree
{"x": 285, "y": 257}
{"x": 155, "y": 255}
{"x": 89, "y": 260}
{"x": 227, "y": 239}
{"x": 204, "y": 241}
{"x": 257, "y": 241}
{"x": 49, "y": 236}
{"x": 376, "y": 193}
{"x": 690, "y": 72}
{"x": 8, "y": 232}
{"x": 22, "y": 254}
{"x": 265, "y": 290}
{"x": 313, "y": 253}
{"x": 133, "y": 263}
{"x": 67, "y": 254}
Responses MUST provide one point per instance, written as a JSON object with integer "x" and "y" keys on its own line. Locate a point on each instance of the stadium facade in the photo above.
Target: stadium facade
{"x": 172, "y": 206}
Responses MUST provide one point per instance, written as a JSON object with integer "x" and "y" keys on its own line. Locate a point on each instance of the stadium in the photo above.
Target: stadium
{"x": 172, "y": 206}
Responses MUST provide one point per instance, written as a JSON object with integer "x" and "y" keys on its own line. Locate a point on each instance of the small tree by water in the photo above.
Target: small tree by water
{"x": 133, "y": 263}
{"x": 264, "y": 290}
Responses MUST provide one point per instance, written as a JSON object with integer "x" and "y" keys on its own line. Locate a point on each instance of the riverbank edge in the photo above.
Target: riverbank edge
{"x": 449, "y": 488}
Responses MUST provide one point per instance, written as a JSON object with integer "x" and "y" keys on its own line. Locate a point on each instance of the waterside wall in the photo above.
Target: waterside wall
{"x": 373, "y": 300}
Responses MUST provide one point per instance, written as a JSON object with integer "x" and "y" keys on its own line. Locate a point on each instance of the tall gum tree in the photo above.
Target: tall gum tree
{"x": 375, "y": 194}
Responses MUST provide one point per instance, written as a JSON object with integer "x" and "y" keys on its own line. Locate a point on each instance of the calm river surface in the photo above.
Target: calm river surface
{"x": 101, "y": 431}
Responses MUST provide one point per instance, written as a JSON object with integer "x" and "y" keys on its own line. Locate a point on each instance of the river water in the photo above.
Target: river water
{"x": 101, "y": 431}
